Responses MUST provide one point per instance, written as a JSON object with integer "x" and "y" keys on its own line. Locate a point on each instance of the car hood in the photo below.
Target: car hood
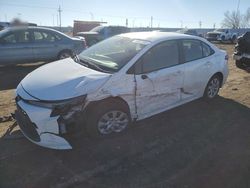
{"x": 218, "y": 33}
{"x": 61, "y": 80}
{"x": 87, "y": 33}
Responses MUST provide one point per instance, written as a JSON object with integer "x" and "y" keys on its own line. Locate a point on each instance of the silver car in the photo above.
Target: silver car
{"x": 30, "y": 44}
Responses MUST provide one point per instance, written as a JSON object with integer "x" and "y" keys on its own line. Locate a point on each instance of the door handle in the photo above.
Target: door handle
{"x": 144, "y": 76}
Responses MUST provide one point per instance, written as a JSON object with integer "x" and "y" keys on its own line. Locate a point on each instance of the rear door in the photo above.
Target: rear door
{"x": 159, "y": 79}
{"x": 45, "y": 45}
{"x": 198, "y": 60}
{"x": 16, "y": 47}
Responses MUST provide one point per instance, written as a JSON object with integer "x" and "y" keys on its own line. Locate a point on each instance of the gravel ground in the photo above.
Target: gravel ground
{"x": 198, "y": 144}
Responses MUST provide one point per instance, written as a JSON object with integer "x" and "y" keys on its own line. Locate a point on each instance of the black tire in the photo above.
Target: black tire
{"x": 233, "y": 40}
{"x": 95, "y": 114}
{"x": 206, "y": 94}
{"x": 239, "y": 64}
{"x": 223, "y": 39}
{"x": 65, "y": 54}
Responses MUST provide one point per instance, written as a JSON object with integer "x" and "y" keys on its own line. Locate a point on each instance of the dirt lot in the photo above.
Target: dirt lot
{"x": 195, "y": 145}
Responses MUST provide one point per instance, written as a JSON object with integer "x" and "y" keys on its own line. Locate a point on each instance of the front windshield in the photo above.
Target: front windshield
{"x": 220, "y": 30}
{"x": 181, "y": 31}
{"x": 3, "y": 32}
{"x": 112, "y": 54}
{"x": 97, "y": 29}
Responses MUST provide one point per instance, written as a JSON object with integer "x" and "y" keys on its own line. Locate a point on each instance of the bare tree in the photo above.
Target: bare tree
{"x": 232, "y": 20}
{"x": 246, "y": 19}
{"x": 235, "y": 19}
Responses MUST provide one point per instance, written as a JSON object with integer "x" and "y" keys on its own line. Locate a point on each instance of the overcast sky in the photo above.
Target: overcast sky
{"x": 166, "y": 13}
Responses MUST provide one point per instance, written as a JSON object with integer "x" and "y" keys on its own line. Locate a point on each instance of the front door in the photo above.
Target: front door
{"x": 16, "y": 47}
{"x": 159, "y": 79}
{"x": 45, "y": 45}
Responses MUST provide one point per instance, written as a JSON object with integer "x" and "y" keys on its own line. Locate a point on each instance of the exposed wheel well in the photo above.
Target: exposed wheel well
{"x": 117, "y": 100}
{"x": 65, "y": 50}
{"x": 220, "y": 75}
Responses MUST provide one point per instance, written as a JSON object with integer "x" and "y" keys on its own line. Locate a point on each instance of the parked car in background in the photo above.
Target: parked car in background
{"x": 31, "y": 44}
{"x": 242, "y": 51}
{"x": 102, "y": 32}
{"x": 125, "y": 78}
{"x": 188, "y": 32}
{"x": 222, "y": 35}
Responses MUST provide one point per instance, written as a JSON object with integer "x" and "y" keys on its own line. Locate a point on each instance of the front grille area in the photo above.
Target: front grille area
{"x": 26, "y": 125}
{"x": 212, "y": 35}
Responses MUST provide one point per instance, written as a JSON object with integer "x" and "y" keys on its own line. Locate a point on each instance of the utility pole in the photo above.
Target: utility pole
{"x": 126, "y": 22}
{"x": 151, "y": 22}
{"x": 238, "y": 6}
{"x": 60, "y": 19}
{"x": 200, "y": 24}
{"x": 238, "y": 13}
{"x": 53, "y": 20}
{"x": 91, "y": 16}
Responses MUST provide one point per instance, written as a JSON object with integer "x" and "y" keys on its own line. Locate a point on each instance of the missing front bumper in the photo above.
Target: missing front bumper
{"x": 38, "y": 127}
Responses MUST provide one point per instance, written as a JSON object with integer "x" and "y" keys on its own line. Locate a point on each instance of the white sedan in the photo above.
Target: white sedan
{"x": 123, "y": 79}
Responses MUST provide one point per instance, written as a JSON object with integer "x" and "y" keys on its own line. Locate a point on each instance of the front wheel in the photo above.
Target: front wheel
{"x": 212, "y": 88}
{"x": 108, "y": 118}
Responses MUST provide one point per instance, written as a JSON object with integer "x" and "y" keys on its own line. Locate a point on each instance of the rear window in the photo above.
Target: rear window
{"x": 192, "y": 50}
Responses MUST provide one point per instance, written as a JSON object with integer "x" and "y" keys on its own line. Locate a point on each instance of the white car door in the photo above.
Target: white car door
{"x": 198, "y": 60}
{"x": 159, "y": 79}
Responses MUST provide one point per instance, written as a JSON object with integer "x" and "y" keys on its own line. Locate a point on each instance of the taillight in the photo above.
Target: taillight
{"x": 226, "y": 57}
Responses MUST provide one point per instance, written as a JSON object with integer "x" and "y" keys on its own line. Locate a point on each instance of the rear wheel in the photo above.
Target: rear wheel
{"x": 234, "y": 39}
{"x": 213, "y": 87}
{"x": 223, "y": 39}
{"x": 65, "y": 54}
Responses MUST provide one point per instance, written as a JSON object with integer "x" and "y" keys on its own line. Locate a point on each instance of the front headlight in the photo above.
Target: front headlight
{"x": 60, "y": 107}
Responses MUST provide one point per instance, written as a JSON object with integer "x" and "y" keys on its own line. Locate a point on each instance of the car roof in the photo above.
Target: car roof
{"x": 29, "y": 27}
{"x": 35, "y": 28}
{"x": 156, "y": 36}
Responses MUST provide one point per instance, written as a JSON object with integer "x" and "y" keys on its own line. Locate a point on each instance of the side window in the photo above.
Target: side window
{"x": 58, "y": 37}
{"x": 41, "y": 36}
{"x": 161, "y": 56}
{"x": 207, "y": 50}
{"x": 9, "y": 39}
{"x": 38, "y": 36}
{"x": 22, "y": 36}
{"x": 192, "y": 50}
{"x": 17, "y": 36}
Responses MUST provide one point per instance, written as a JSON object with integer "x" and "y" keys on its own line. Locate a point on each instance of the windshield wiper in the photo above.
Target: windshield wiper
{"x": 88, "y": 63}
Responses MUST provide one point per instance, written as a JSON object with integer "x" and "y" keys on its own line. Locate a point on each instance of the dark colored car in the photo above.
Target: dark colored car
{"x": 102, "y": 32}
{"x": 31, "y": 44}
{"x": 188, "y": 32}
{"x": 242, "y": 51}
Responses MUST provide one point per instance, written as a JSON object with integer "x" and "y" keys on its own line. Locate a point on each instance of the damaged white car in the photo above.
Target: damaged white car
{"x": 125, "y": 78}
